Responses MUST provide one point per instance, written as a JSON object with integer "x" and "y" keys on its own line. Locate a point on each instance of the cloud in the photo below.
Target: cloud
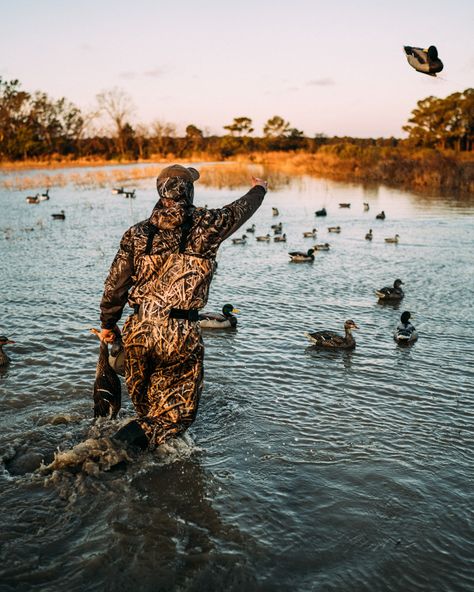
{"x": 321, "y": 82}
{"x": 128, "y": 75}
{"x": 155, "y": 73}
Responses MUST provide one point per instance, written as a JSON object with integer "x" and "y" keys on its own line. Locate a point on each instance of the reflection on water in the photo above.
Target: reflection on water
{"x": 305, "y": 469}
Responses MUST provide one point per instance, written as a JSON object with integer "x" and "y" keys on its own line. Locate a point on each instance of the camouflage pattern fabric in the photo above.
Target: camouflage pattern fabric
{"x": 163, "y": 355}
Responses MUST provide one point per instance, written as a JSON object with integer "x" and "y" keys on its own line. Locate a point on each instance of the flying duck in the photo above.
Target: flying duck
{"x": 240, "y": 241}
{"x": 391, "y": 294}
{"x": 107, "y": 387}
{"x": 405, "y": 332}
{"x": 300, "y": 257}
{"x": 210, "y": 320}
{"x": 331, "y": 340}
{"x": 4, "y": 359}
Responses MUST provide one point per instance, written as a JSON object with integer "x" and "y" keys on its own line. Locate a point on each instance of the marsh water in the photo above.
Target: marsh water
{"x": 305, "y": 469}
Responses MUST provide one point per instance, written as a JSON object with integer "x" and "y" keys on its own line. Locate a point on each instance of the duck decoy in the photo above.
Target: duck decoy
{"x": 321, "y": 247}
{"x": 209, "y": 320}
{"x": 33, "y": 199}
{"x": 344, "y": 205}
{"x": 380, "y": 216}
{"x": 130, "y": 194}
{"x": 251, "y": 229}
{"x": 240, "y": 241}
{"x": 369, "y": 235}
{"x": 405, "y": 332}
{"x": 301, "y": 257}
{"x": 277, "y": 231}
{"x": 321, "y": 212}
{"x": 275, "y": 211}
{"x": 334, "y": 229}
{"x": 280, "y": 238}
{"x": 366, "y": 207}
{"x": 310, "y": 233}
{"x": 392, "y": 239}
{"x": 4, "y": 358}
{"x": 425, "y": 61}
{"x": 278, "y": 226}
{"x": 44, "y": 196}
{"x": 391, "y": 294}
{"x": 107, "y": 387}
{"x": 331, "y": 340}
{"x": 265, "y": 238}
{"x": 60, "y": 216}
{"x": 118, "y": 190}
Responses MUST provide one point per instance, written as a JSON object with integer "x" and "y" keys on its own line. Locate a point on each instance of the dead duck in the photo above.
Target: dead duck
{"x": 275, "y": 212}
{"x": 251, "y": 229}
{"x": 321, "y": 212}
{"x": 310, "y": 233}
{"x": 380, "y": 216}
{"x": 321, "y": 247}
{"x": 240, "y": 241}
{"x": 107, "y": 387}
{"x": 60, "y": 216}
{"x": 405, "y": 332}
{"x": 369, "y": 235}
{"x": 226, "y": 320}
{"x": 280, "y": 238}
{"x": 392, "y": 239}
{"x": 391, "y": 294}
{"x": 4, "y": 358}
{"x": 331, "y": 340}
{"x": 334, "y": 229}
{"x": 262, "y": 239}
{"x": 344, "y": 205}
{"x": 301, "y": 257}
{"x": 33, "y": 199}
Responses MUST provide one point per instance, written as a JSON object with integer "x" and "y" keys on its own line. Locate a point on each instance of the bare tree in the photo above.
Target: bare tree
{"x": 118, "y": 106}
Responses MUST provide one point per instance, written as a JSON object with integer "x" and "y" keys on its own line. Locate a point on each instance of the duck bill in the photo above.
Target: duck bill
{"x": 9, "y": 341}
{"x": 235, "y": 310}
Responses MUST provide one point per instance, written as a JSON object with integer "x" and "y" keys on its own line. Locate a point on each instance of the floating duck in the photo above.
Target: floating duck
{"x": 4, "y": 359}
{"x": 301, "y": 257}
{"x": 265, "y": 238}
{"x": 321, "y": 212}
{"x": 380, "y": 216}
{"x": 240, "y": 241}
{"x": 344, "y": 205}
{"x": 275, "y": 211}
{"x": 33, "y": 199}
{"x": 331, "y": 340}
{"x": 44, "y": 196}
{"x": 391, "y": 294}
{"x": 251, "y": 229}
{"x": 107, "y": 387}
{"x": 277, "y": 231}
{"x": 334, "y": 229}
{"x": 280, "y": 239}
{"x": 321, "y": 247}
{"x": 278, "y": 226}
{"x": 60, "y": 216}
{"x": 369, "y": 235}
{"x": 392, "y": 239}
{"x": 209, "y": 320}
{"x": 425, "y": 61}
{"x": 310, "y": 233}
{"x": 118, "y": 190}
{"x": 405, "y": 332}
{"x": 130, "y": 194}
{"x": 366, "y": 207}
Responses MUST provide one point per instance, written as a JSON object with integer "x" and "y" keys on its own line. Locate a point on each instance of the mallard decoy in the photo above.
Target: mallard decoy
{"x": 310, "y": 233}
{"x": 60, "y": 216}
{"x": 278, "y": 226}
{"x": 240, "y": 241}
{"x": 344, "y": 205}
{"x": 321, "y": 212}
{"x": 334, "y": 229}
{"x": 391, "y": 294}
{"x": 4, "y": 359}
{"x": 277, "y": 231}
{"x": 366, "y": 207}
{"x": 265, "y": 238}
{"x": 301, "y": 257}
{"x": 392, "y": 239}
{"x": 44, "y": 196}
{"x": 107, "y": 387}
{"x": 380, "y": 216}
{"x": 369, "y": 235}
{"x": 118, "y": 190}
{"x": 33, "y": 199}
{"x": 130, "y": 194}
{"x": 425, "y": 61}
{"x": 251, "y": 229}
{"x": 226, "y": 320}
{"x": 331, "y": 340}
{"x": 280, "y": 238}
{"x": 321, "y": 247}
{"x": 405, "y": 332}
{"x": 275, "y": 211}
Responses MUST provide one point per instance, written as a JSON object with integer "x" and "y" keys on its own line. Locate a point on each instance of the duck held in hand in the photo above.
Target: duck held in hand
{"x": 331, "y": 340}
{"x": 107, "y": 387}
{"x": 226, "y": 320}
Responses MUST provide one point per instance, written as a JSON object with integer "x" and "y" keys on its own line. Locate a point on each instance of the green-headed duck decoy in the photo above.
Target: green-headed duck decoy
{"x": 405, "y": 332}
{"x": 210, "y": 320}
{"x": 331, "y": 340}
{"x": 425, "y": 61}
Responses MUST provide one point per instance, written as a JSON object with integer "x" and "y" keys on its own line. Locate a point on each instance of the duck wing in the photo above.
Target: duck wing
{"x": 107, "y": 387}
{"x": 326, "y": 339}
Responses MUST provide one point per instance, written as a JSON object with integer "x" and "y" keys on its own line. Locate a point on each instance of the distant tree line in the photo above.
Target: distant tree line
{"x": 35, "y": 126}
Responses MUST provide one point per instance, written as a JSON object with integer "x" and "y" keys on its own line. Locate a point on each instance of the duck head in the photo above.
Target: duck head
{"x": 349, "y": 325}
{"x": 4, "y": 340}
{"x": 228, "y": 310}
{"x": 397, "y": 283}
{"x": 405, "y": 317}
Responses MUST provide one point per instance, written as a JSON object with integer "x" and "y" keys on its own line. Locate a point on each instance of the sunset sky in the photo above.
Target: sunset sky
{"x": 327, "y": 67}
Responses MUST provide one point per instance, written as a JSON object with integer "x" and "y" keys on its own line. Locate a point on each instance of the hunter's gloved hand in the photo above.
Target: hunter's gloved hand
{"x": 261, "y": 182}
{"x": 110, "y": 335}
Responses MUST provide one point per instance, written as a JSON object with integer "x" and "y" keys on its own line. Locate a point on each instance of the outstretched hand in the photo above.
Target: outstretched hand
{"x": 261, "y": 182}
{"x": 109, "y": 335}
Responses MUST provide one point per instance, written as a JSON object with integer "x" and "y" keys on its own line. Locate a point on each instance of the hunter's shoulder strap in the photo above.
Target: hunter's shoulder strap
{"x": 151, "y": 235}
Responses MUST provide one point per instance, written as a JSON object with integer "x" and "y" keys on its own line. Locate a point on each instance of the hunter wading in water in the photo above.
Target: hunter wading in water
{"x": 164, "y": 268}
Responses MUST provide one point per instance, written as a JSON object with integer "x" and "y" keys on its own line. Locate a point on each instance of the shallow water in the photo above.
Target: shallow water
{"x": 304, "y": 470}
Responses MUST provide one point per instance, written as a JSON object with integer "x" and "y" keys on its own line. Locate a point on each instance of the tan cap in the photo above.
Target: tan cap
{"x": 177, "y": 170}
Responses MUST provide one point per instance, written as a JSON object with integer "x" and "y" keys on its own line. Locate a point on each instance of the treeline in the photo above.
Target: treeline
{"x": 35, "y": 126}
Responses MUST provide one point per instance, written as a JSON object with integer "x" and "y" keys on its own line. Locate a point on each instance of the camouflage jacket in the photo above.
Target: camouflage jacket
{"x": 166, "y": 278}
